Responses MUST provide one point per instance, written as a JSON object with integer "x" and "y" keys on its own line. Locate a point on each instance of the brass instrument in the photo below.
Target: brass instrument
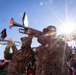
{"x": 3, "y": 35}
{"x": 4, "y": 42}
{"x": 24, "y": 29}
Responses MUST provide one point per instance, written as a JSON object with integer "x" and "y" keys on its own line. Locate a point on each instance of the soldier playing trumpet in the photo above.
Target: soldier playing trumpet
{"x": 20, "y": 59}
{"x": 52, "y": 54}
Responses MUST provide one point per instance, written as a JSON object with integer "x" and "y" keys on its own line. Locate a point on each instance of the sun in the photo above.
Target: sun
{"x": 67, "y": 27}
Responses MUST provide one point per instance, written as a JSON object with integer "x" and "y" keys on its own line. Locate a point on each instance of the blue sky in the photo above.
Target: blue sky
{"x": 40, "y": 13}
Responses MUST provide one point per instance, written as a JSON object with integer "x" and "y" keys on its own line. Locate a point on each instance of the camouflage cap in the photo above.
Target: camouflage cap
{"x": 25, "y": 41}
{"x": 23, "y": 38}
{"x": 50, "y": 28}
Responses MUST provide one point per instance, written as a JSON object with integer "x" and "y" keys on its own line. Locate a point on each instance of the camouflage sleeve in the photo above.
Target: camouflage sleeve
{"x": 66, "y": 50}
{"x": 14, "y": 48}
{"x": 7, "y": 54}
{"x": 67, "y": 53}
{"x": 36, "y": 51}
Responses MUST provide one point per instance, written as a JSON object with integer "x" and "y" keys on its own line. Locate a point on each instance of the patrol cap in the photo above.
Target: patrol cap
{"x": 23, "y": 38}
{"x": 50, "y": 28}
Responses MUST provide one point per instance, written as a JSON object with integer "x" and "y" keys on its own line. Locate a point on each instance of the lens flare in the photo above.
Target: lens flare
{"x": 67, "y": 27}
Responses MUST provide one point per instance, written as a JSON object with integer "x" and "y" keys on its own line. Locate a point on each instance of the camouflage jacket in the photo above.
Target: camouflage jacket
{"x": 52, "y": 60}
{"x": 19, "y": 60}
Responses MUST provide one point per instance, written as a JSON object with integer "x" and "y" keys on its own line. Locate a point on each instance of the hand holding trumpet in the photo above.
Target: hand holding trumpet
{"x": 10, "y": 43}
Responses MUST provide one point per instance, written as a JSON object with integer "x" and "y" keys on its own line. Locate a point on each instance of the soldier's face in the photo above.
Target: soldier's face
{"x": 24, "y": 41}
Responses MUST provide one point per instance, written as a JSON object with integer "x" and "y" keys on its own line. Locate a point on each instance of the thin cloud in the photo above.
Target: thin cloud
{"x": 46, "y": 2}
{"x": 50, "y": 2}
{"x": 71, "y": 1}
{"x": 41, "y": 3}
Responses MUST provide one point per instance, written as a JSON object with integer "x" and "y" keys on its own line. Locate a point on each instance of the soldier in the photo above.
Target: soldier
{"x": 51, "y": 55}
{"x": 19, "y": 58}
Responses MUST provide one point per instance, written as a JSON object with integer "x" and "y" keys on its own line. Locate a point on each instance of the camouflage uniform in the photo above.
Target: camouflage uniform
{"x": 19, "y": 58}
{"x": 7, "y": 54}
{"x": 52, "y": 61}
{"x": 51, "y": 57}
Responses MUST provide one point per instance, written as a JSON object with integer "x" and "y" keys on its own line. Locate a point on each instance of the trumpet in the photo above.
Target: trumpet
{"x": 4, "y": 42}
{"x": 24, "y": 29}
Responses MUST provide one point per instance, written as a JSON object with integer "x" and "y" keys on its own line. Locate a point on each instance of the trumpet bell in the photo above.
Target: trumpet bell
{"x": 3, "y": 34}
{"x": 11, "y": 21}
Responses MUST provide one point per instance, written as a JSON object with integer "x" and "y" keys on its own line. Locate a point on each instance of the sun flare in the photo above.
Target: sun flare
{"x": 66, "y": 29}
